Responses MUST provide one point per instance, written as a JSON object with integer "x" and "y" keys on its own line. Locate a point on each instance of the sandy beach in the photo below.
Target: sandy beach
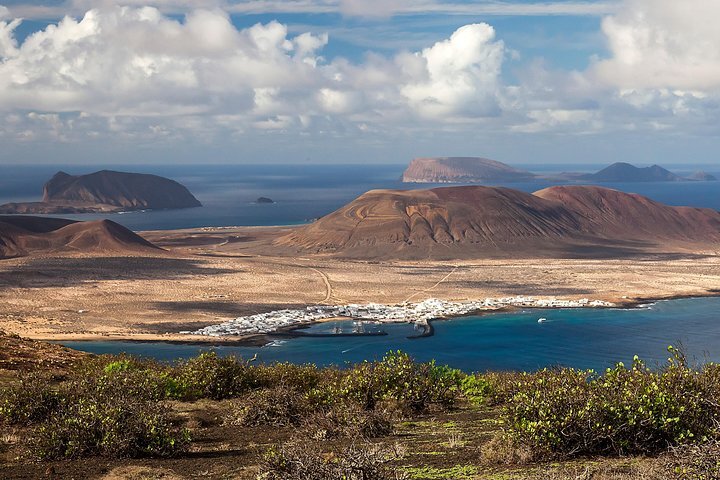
{"x": 209, "y": 276}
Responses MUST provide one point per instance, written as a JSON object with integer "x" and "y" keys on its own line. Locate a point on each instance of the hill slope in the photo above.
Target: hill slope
{"x": 475, "y": 222}
{"x": 461, "y": 170}
{"x": 21, "y": 236}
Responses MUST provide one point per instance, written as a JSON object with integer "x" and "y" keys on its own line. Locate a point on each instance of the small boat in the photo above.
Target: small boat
{"x": 542, "y": 320}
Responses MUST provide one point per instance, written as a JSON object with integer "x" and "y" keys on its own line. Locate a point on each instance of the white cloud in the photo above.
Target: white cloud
{"x": 663, "y": 44}
{"x": 136, "y": 74}
{"x": 458, "y": 76}
{"x": 203, "y": 75}
{"x": 139, "y": 62}
{"x": 8, "y": 45}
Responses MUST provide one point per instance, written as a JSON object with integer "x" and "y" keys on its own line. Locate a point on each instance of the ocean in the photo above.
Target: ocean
{"x": 301, "y": 192}
{"x": 580, "y": 338}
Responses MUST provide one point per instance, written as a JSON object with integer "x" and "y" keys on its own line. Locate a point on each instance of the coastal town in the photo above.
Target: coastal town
{"x": 419, "y": 313}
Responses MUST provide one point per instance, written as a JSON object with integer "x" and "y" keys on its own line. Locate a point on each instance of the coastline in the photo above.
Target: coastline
{"x": 290, "y": 331}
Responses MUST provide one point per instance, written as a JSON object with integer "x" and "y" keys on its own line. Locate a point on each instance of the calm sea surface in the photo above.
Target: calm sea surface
{"x": 583, "y": 338}
{"x": 302, "y": 192}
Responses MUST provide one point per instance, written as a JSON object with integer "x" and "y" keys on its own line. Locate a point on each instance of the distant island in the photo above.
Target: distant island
{"x": 625, "y": 172}
{"x": 702, "y": 177}
{"x": 264, "y": 200}
{"x": 462, "y": 170}
{"x": 482, "y": 222}
{"x": 483, "y": 170}
{"x": 106, "y": 191}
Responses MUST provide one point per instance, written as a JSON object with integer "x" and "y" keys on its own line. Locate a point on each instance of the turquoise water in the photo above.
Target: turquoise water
{"x": 582, "y": 338}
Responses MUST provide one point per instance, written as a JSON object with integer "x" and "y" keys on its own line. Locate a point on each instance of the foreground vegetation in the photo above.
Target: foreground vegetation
{"x": 389, "y": 419}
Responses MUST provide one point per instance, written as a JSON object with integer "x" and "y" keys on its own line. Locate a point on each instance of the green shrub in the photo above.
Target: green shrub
{"x": 214, "y": 377}
{"x": 475, "y": 388}
{"x": 299, "y": 377}
{"x": 625, "y": 411}
{"x": 413, "y": 386}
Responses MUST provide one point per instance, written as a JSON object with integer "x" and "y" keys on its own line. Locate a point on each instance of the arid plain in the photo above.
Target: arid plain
{"x": 207, "y": 276}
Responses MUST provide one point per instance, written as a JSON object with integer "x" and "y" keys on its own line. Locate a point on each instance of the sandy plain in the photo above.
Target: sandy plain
{"x": 210, "y": 275}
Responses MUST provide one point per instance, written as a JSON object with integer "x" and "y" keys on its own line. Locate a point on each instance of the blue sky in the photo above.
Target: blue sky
{"x": 378, "y": 81}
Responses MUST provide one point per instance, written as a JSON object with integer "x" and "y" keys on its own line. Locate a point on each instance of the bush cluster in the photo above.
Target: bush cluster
{"x": 116, "y": 413}
{"x": 115, "y": 405}
{"x": 631, "y": 410}
{"x": 413, "y": 387}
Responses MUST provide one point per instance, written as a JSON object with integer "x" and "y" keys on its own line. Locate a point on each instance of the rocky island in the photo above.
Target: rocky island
{"x": 462, "y": 170}
{"x": 106, "y": 191}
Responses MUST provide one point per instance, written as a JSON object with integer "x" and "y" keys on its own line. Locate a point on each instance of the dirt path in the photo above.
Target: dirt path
{"x": 328, "y": 285}
{"x": 434, "y": 286}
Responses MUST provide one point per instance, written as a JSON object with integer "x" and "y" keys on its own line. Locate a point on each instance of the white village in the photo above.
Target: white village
{"x": 419, "y": 313}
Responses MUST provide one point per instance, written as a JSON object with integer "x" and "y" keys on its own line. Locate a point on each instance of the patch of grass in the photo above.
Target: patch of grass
{"x": 457, "y": 472}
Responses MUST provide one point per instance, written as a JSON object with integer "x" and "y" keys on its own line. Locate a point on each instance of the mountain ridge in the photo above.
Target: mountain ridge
{"x": 477, "y": 222}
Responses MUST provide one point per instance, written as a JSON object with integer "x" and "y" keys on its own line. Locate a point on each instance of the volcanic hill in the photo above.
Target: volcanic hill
{"x": 477, "y": 222}
{"x": 462, "y": 170}
{"x": 27, "y": 235}
{"x": 106, "y": 191}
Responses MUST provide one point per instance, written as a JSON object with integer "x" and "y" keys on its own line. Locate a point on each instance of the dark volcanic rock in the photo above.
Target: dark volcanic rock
{"x": 462, "y": 170}
{"x": 477, "y": 222}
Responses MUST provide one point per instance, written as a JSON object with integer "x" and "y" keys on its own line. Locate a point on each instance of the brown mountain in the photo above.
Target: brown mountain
{"x": 27, "y": 235}
{"x": 106, "y": 191}
{"x": 462, "y": 170}
{"x": 476, "y": 222}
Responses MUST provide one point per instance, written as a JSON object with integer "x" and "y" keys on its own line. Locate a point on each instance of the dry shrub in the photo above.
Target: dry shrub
{"x": 100, "y": 416}
{"x": 280, "y": 406}
{"x": 350, "y": 420}
{"x": 502, "y": 450}
{"x": 696, "y": 462}
{"x": 29, "y": 401}
{"x": 308, "y": 461}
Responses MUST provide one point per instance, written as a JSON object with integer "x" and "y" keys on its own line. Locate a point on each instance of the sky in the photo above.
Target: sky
{"x": 359, "y": 81}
